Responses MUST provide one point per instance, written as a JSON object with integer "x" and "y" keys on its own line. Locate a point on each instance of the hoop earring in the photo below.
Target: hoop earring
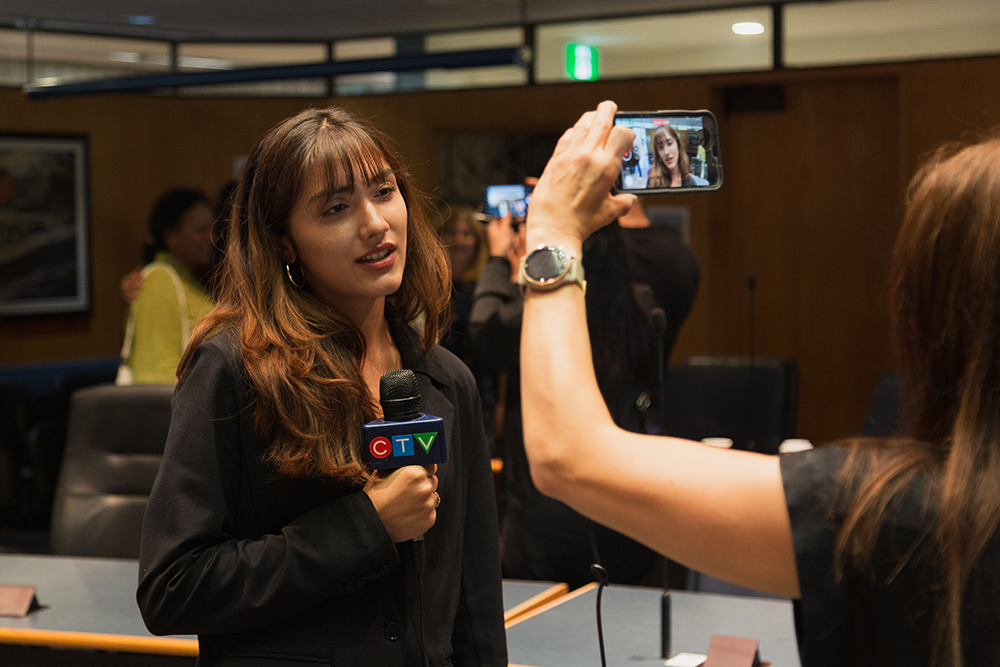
{"x": 288, "y": 272}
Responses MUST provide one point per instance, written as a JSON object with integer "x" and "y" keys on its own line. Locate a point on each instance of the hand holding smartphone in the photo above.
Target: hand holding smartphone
{"x": 672, "y": 152}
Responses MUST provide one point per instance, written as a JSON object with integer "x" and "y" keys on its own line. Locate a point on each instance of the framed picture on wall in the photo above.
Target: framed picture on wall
{"x": 44, "y": 225}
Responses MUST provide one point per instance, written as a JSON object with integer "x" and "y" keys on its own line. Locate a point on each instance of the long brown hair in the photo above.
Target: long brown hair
{"x": 945, "y": 300}
{"x": 303, "y": 358}
{"x": 660, "y": 170}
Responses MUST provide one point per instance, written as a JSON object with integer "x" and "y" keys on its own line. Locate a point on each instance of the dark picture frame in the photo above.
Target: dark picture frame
{"x": 44, "y": 225}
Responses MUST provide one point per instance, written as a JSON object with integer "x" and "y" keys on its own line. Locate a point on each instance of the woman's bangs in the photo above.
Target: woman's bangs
{"x": 349, "y": 158}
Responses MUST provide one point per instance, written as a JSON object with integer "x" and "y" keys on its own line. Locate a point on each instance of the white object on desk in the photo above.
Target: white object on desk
{"x": 722, "y": 443}
{"x": 794, "y": 445}
{"x": 686, "y": 660}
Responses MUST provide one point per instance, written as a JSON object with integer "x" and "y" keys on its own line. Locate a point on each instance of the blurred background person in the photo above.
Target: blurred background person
{"x": 172, "y": 299}
{"x": 637, "y": 266}
{"x": 463, "y": 235}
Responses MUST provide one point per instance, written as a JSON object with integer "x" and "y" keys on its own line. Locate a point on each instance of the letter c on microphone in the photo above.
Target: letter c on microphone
{"x": 380, "y": 447}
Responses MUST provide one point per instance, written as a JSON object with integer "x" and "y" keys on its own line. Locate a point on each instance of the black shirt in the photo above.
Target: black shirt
{"x": 883, "y": 616}
{"x": 273, "y": 569}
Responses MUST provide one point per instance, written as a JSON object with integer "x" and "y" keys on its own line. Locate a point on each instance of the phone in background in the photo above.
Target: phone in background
{"x": 503, "y": 198}
{"x": 672, "y": 152}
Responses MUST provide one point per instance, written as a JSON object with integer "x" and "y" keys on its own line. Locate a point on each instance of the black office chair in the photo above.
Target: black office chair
{"x": 114, "y": 444}
{"x": 754, "y": 402}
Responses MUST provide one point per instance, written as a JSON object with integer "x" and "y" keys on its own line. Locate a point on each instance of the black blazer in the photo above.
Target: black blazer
{"x": 269, "y": 570}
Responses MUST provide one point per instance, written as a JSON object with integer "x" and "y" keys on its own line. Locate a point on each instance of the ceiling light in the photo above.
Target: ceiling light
{"x": 140, "y": 19}
{"x": 748, "y": 28}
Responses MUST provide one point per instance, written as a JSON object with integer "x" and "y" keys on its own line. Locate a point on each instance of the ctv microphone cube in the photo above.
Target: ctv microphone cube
{"x": 405, "y": 436}
{"x": 394, "y": 444}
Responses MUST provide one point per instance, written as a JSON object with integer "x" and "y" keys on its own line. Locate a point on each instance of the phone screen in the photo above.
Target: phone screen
{"x": 672, "y": 151}
{"x": 503, "y": 198}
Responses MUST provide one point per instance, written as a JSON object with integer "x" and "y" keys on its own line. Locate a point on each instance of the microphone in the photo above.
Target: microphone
{"x": 404, "y": 436}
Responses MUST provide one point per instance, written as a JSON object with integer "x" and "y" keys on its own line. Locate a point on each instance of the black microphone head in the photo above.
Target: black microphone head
{"x": 399, "y": 395}
{"x": 658, "y": 318}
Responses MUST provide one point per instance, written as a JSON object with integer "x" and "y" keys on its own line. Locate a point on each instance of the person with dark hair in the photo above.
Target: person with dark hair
{"x": 671, "y": 164}
{"x": 464, "y": 237}
{"x": 638, "y": 267}
{"x": 170, "y": 300}
{"x": 465, "y": 240}
{"x": 265, "y": 533}
{"x": 888, "y": 546}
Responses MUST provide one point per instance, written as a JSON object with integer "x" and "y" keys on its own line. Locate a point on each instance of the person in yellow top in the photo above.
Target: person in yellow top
{"x": 172, "y": 300}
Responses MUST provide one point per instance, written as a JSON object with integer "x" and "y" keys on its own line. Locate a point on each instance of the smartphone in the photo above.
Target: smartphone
{"x": 673, "y": 151}
{"x": 503, "y": 198}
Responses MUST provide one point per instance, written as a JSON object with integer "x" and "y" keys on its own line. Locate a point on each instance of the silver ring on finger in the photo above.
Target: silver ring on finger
{"x": 437, "y": 499}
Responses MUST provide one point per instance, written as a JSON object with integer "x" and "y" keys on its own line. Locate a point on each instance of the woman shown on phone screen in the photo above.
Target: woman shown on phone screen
{"x": 265, "y": 534}
{"x": 671, "y": 165}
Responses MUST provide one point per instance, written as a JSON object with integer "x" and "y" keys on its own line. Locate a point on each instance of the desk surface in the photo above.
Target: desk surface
{"x": 565, "y": 634}
{"x": 90, "y": 603}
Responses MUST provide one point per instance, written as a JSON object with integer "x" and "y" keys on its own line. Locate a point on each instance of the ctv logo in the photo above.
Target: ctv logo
{"x": 401, "y": 445}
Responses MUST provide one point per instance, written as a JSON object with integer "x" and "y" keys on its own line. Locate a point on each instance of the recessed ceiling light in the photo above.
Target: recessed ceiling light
{"x": 748, "y": 28}
{"x": 140, "y": 19}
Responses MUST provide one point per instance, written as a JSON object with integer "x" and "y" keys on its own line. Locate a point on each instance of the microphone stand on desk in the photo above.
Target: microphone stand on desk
{"x": 658, "y": 320}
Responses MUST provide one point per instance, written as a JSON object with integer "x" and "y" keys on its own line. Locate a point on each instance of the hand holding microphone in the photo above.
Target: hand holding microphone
{"x": 406, "y": 500}
{"x": 404, "y": 448}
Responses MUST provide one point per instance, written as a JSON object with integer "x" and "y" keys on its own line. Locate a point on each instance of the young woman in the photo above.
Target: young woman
{"x": 265, "y": 534}
{"x": 671, "y": 165}
{"x": 889, "y": 547}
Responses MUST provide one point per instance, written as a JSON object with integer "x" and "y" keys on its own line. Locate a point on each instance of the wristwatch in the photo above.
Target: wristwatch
{"x": 547, "y": 268}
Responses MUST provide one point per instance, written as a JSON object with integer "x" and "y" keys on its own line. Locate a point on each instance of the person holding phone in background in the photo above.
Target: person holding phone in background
{"x": 265, "y": 534}
{"x": 889, "y": 547}
{"x": 671, "y": 164}
{"x": 641, "y": 266}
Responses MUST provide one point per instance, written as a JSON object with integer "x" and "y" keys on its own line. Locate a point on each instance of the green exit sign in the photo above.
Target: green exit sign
{"x": 581, "y": 62}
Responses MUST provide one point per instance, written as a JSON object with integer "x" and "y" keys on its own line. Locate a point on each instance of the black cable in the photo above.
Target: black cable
{"x": 602, "y": 581}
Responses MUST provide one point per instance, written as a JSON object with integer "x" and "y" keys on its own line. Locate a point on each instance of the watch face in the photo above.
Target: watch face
{"x": 545, "y": 264}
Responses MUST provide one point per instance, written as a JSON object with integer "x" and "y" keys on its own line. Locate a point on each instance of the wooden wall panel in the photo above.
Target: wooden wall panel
{"x": 814, "y": 228}
{"x": 139, "y": 147}
{"x": 813, "y": 194}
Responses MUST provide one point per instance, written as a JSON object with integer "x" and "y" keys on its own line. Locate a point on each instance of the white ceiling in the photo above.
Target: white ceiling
{"x": 315, "y": 20}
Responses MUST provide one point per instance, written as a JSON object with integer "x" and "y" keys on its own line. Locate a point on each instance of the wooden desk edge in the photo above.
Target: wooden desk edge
{"x": 550, "y": 604}
{"x": 549, "y": 594}
{"x": 99, "y": 642}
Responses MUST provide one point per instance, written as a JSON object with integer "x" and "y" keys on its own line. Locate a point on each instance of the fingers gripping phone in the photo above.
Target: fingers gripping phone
{"x": 672, "y": 152}
{"x": 501, "y": 199}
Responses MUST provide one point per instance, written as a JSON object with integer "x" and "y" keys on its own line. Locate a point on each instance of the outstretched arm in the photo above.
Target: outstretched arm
{"x": 721, "y": 512}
